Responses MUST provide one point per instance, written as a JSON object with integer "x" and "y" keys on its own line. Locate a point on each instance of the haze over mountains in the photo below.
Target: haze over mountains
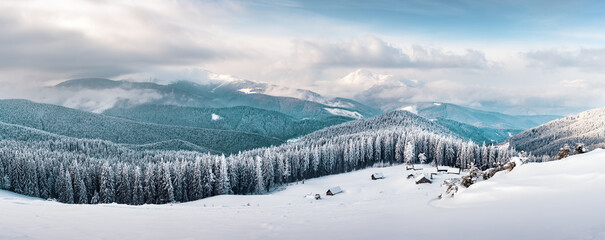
{"x": 243, "y": 107}
{"x": 222, "y": 102}
{"x": 217, "y": 94}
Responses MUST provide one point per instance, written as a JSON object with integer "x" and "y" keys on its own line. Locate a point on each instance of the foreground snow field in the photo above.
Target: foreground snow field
{"x": 554, "y": 200}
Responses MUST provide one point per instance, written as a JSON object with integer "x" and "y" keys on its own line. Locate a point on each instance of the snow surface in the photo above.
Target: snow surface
{"x": 216, "y": 117}
{"x": 345, "y": 113}
{"x": 411, "y": 108}
{"x": 554, "y": 200}
{"x": 247, "y": 90}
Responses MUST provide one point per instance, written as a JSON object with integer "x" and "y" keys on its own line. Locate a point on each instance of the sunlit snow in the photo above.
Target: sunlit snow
{"x": 344, "y": 113}
{"x": 554, "y": 200}
{"x": 216, "y": 117}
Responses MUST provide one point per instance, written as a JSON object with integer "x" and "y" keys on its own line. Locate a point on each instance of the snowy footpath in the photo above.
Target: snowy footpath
{"x": 555, "y": 200}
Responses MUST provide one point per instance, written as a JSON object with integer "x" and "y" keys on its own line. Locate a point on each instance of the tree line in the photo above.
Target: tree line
{"x": 87, "y": 171}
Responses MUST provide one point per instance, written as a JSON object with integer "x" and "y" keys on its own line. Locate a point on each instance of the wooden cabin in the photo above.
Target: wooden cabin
{"x": 410, "y": 176}
{"x": 377, "y": 176}
{"x": 442, "y": 169}
{"x": 422, "y": 178}
{"x": 412, "y": 167}
{"x": 454, "y": 171}
{"x": 333, "y": 191}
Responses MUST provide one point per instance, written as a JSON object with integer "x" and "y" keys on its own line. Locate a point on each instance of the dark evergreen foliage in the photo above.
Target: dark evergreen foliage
{"x": 95, "y": 171}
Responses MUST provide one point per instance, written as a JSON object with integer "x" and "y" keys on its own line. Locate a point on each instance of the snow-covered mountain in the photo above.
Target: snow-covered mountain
{"x": 98, "y": 95}
{"x": 388, "y": 120}
{"x": 479, "y": 118}
{"x": 478, "y": 125}
{"x": 587, "y": 127}
{"x": 476, "y": 134}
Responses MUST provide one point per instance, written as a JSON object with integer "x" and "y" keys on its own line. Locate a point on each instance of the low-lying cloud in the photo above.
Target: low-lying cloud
{"x": 586, "y": 59}
{"x": 95, "y": 101}
{"x": 373, "y": 52}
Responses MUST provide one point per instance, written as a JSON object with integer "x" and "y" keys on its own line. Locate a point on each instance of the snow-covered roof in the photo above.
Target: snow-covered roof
{"x": 378, "y": 175}
{"x": 453, "y": 170}
{"x": 335, "y": 190}
{"x": 421, "y": 176}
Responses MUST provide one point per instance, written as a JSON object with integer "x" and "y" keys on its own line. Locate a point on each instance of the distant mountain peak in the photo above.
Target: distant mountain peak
{"x": 364, "y": 79}
{"x": 217, "y": 90}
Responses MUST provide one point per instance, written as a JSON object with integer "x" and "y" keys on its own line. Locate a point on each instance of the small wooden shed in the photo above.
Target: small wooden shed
{"x": 412, "y": 167}
{"x": 422, "y": 178}
{"x": 411, "y": 176}
{"x": 453, "y": 171}
{"x": 333, "y": 191}
{"x": 441, "y": 169}
{"x": 377, "y": 176}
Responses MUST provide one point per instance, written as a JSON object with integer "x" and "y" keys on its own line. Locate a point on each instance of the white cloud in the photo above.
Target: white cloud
{"x": 43, "y": 43}
{"x": 372, "y": 51}
{"x": 575, "y": 83}
{"x": 585, "y": 59}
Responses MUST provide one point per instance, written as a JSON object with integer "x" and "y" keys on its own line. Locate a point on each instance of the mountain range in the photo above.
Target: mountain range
{"x": 587, "y": 128}
{"x": 217, "y": 104}
{"x": 215, "y": 94}
{"x": 231, "y": 96}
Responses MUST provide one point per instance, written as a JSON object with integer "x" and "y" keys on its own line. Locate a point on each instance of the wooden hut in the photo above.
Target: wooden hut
{"x": 453, "y": 171}
{"x": 412, "y": 167}
{"x": 441, "y": 169}
{"x": 377, "y": 176}
{"x": 411, "y": 176}
{"x": 422, "y": 179}
{"x": 333, "y": 191}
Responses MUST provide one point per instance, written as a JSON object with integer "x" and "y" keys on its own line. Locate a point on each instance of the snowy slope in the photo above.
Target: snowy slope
{"x": 480, "y": 118}
{"x": 555, "y": 200}
{"x": 587, "y": 127}
{"x": 384, "y": 121}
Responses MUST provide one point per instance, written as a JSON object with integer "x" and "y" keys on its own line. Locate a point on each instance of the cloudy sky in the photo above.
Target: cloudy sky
{"x": 524, "y": 57}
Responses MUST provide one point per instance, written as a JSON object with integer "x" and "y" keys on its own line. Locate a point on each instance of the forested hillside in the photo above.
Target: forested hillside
{"x": 476, "y": 134}
{"x": 80, "y": 124}
{"x": 387, "y": 120}
{"x": 241, "y": 119}
{"x": 212, "y": 94}
{"x": 587, "y": 127}
{"x": 94, "y": 171}
{"x": 20, "y": 133}
{"x": 480, "y": 118}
